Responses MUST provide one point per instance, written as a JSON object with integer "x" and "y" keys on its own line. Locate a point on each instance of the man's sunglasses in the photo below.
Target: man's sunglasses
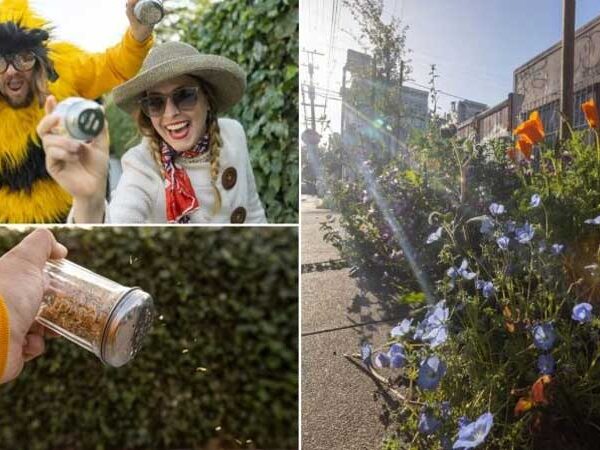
{"x": 184, "y": 99}
{"x": 22, "y": 62}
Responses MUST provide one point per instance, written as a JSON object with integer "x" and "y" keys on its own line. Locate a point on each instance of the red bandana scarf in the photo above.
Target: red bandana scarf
{"x": 180, "y": 196}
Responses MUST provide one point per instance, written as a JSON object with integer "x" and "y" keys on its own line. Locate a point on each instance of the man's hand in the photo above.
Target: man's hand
{"x": 140, "y": 31}
{"x": 79, "y": 168}
{"x": 22, "y": 288}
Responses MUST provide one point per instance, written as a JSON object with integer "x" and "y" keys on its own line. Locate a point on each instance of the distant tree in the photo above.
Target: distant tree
{"x": 377, "y": 88}
{"x": 387, "y": 40}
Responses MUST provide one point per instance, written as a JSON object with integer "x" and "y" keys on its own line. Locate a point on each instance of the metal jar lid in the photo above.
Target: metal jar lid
{"x": 149, "y": 12}
{"x": 129, "y": 322}
{"x": 83, "y": 119}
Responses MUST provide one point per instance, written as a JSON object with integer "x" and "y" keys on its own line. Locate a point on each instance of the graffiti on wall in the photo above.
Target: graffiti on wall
{"x": 587, "y": 61}
{"x": 541, "y": 79}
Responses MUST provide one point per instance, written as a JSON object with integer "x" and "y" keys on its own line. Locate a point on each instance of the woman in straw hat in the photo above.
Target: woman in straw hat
{"x": 190, "y": 166}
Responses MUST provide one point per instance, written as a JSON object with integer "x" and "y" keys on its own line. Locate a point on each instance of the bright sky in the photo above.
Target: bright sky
{"x": 93, "y": 25}
{"x": 476, "y": 45}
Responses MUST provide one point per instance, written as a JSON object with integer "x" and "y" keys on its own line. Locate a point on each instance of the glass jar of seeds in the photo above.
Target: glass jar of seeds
{"x": 102, "y": 316}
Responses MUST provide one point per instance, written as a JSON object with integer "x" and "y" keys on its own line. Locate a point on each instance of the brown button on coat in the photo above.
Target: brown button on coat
{"x": 229, "y": 178}
{"x": 238, "y": 215}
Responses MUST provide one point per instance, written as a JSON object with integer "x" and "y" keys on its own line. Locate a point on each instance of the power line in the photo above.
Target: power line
{"x": 439, "y": 91}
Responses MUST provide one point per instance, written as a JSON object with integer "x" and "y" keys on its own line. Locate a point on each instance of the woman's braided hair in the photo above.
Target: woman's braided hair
{"x": 214, "y": 132}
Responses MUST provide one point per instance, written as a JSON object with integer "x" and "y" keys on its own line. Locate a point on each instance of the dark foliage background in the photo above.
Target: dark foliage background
{"x": 226, "y": 300}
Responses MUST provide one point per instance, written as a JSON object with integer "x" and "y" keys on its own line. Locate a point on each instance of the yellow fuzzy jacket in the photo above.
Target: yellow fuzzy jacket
{"x": 27, "y": 193}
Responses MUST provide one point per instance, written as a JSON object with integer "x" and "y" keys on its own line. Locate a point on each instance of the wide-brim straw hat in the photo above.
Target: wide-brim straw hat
{"x": 225, "y": 79}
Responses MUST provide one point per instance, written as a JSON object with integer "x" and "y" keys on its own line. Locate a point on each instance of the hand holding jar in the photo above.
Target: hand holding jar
{"x": 21, "y": 291}
{"x": 80, "y": 168}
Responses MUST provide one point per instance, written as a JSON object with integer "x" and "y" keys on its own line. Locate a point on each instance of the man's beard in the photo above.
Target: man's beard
{"x": 18, "y": 104}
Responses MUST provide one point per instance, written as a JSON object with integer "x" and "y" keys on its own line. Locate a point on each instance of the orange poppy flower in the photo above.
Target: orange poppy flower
{"x": 523, "y": 405}
{"x": 532, "y": 128}
{"x": 521, "y": 151}
{"x": 591, "y": 113}
{"x": 538, "y": 390}
{"x": 538, "y": 395}
{"x": 524, "y": 145}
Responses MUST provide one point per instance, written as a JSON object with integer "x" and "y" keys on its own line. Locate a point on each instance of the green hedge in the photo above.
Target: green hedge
{"x": 227, "y": 296}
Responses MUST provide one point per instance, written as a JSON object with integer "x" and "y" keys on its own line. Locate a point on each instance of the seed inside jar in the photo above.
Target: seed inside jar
{"x": 81, "y": 309}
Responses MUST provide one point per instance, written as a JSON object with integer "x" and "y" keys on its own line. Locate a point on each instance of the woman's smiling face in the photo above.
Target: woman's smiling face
{"x": 180, "y": 127}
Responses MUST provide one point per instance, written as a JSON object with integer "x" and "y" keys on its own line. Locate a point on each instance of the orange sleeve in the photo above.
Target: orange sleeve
{"x": 4, "y": 335}
{"x": 98, "y": 73}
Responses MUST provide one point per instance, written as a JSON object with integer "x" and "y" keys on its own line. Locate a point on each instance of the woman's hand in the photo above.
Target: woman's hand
{"x": 140, "y": 31}
{"x": 81, "y": 168}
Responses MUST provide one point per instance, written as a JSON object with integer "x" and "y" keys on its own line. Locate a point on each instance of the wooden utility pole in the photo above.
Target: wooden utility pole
{"x": 311, "y": 87}
{"x": 567, "y": 65}
{"x": 400, "y": 110}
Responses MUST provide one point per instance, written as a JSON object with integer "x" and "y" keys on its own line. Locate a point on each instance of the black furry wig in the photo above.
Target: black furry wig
{"x": 15, "y": 38}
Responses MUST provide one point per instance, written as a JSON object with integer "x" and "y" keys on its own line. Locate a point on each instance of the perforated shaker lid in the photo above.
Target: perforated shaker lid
{"x": 149, "y": 12}
{"x": 128, "y": 324}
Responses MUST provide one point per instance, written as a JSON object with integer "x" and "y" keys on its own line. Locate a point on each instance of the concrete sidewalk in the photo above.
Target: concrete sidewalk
{"x": 339, "y": 409}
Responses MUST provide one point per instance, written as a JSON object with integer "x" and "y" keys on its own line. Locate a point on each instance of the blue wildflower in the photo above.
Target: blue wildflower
{"x": 487, "y": 225}
{"x": 431, "y": 371}
{"x": 452, "y": 272}
{"x": 582, "y": 312}
{"x": 382, "y": 360}
{"x": 542, "y": 247}
{"x": 428, "y": 424}
{"x": 535, "y": 200}
{"x": 544, "y": 336}
{"x": 397, "y": 361}
{"x": 397, "y": 356}
{"x": 419, "y": 331}
{"x": 402, "y": 328}
{"x": 557, "y": 249}
{"x": 435, "y": 236}
{"x": 474, "y": 434}
{"x": 497, "y": 209}
{"x": 455, "y": 272}
{"x": 503, "y": 242}
{"x": 525, "y": 234}
{"x": 464, "y": 272}
{"x": 488, "y": 289}
{"x": 435, "y": 330}
{"x": 365, "y": 354}
{"x": 546, "y": 364}
{"x": 463, "y": 421}
{"x": 435, "y": 335}
{"x": 594, "y": 221}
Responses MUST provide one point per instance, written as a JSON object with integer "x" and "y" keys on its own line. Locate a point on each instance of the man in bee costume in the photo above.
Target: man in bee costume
{"x": 32, "y": 66}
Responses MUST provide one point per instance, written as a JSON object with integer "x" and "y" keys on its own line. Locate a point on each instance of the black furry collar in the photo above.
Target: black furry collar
{"x": 15, "y": 38}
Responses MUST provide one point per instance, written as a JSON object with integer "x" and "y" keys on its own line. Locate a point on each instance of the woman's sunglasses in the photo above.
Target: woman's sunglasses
{"x": 184, "y": 99}
{"x": 22, "y": 62}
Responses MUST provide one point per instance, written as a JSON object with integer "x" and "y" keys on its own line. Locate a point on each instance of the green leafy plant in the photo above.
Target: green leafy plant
{"x": 512, "y": 254}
